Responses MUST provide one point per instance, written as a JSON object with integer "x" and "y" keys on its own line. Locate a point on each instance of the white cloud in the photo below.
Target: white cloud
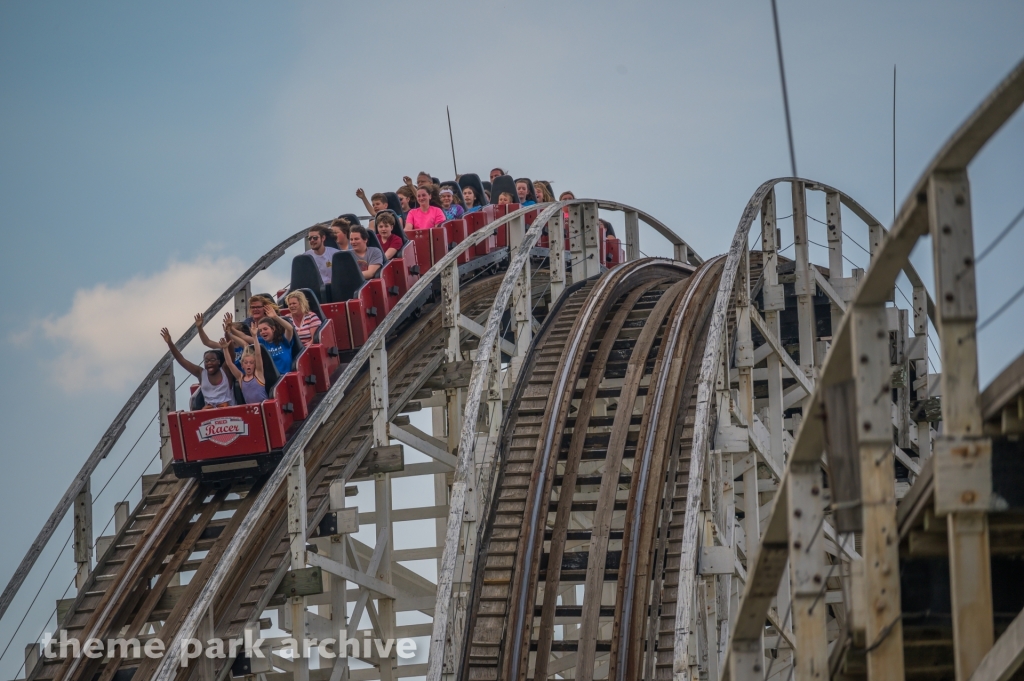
{"x": 110, "y": 337}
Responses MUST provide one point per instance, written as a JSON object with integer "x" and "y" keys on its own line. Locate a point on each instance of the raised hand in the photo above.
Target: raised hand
{"x": 360, "y": 193}
{"x": 199, "y": 320}
{"x": 166, "y": 335}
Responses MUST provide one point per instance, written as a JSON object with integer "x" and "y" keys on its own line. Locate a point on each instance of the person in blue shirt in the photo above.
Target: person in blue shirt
{"x": 524, "y": 188}
{"x": 473, "y": 195}
{"x": 276, "y": 336}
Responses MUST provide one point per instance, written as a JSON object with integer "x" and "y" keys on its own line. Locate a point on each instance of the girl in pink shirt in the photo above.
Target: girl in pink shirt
{"x": 425, "y": 215}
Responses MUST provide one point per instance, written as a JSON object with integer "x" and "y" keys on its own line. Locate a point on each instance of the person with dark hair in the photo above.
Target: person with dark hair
{"x": 369, "y": 258}
{"x": 390, "y": 242}
{"x": 609, "y": 231}
{"x": 339, "y": 228}
{"x": 429, "y": 213}
{"x": 378, "y": 202}
{"x": 249, "y": 373}
{"x": 497, "y": 172}
{"x": 407, "y": 196}
{"x": 320, "y": 251}
{"x": 524, "y": 189}
{"x": 451, "y": 208}
{"x": 276, "y": 336}
{"x": 214, "y": 381}
{"x": 472, "y": 192}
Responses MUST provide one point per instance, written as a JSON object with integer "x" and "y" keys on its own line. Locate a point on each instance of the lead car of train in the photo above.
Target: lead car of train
{"x": 247, "y": 440}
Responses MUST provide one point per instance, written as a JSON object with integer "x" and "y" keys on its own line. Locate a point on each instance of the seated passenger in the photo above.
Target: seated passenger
{"x": 566, "y": 196}
{"x": 276, "y": 336}
{"x": 449, "y": 206}
{"x": 214, "y": 382}
{"x": 543, "y": 191}
{"x": 379, "y": 201}
{"x": 504, "y": 199}
{"x": 497, "y": 172}
{"x": 370, "y": 259}
{"x": 250, "y": 378}
{"x": 389, "y": 241}
{"x": 339, "y": 228}
{"x": 609, "y": 231}
{"x": 422, "y": 179}
{"x": 472, "y": 192}
{"x": 407, "y": 195}
{"x": 258, "y": 305}
{"x": 428, "y": 213}
{"x": 321, "y": 252}
{"x": 305, "y": 321}
{"x": 524, "y": 188}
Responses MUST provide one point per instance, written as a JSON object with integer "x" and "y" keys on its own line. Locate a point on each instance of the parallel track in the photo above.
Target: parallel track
{"x": 601, "y": 418}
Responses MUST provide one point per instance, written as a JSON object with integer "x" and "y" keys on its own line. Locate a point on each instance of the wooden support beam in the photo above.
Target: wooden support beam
{"x": 478, "y": 331}
{"x": 883, "y": 628}
{"x": 83, "y": 534}
{"x": 556, "y": 254}
{"x": 1006, "y": 656}
{"x": 369, "y": 582}
{"x": 414, "y": 437}
{"x": 772, "y": 339}
{"x": 804, "y": 282}
{"x": 633, "y": 235}
{"x": 297, "y": 553}
{"x": 770, "y": 272}
{"x": 961, "y": 456}
{"x": 834, "y": 226}
{"x": 167, "y": 403}
{"x": 807, "y": 571}
{"x": 451, "y": 313}
{"x": 386, "y": 604}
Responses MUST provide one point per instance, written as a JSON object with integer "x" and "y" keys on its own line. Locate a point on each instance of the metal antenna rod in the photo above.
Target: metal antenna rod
{"x": 785, "y": 95}
{"x": 452, "y": 140}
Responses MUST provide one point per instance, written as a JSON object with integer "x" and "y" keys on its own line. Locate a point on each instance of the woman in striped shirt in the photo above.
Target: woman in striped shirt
{"x": 305, "y": 322}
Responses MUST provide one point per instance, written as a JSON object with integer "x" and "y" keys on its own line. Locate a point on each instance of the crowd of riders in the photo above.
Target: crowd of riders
{"x": 272, "y": 328}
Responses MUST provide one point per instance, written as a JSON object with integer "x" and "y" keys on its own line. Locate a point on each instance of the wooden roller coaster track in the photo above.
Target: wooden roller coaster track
{"x": 741, "y": 467}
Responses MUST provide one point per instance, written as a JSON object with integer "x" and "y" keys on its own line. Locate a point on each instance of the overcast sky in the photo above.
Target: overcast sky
{"x": 149, "y": 153}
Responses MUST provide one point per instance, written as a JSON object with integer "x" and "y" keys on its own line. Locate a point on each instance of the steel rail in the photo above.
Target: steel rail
{"x": 892, "y": 257}
{"x": 117, "y": 426}
{"x": 581, "y": 428}
{"x": 653, "y": 412}
{"x": 588, "y": 321}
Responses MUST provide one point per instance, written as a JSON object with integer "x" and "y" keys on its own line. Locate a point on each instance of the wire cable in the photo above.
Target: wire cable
{"x": 1006, "y": 230}
{"x": 1006, "y": 306}
{"x": 785, "y": 94}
